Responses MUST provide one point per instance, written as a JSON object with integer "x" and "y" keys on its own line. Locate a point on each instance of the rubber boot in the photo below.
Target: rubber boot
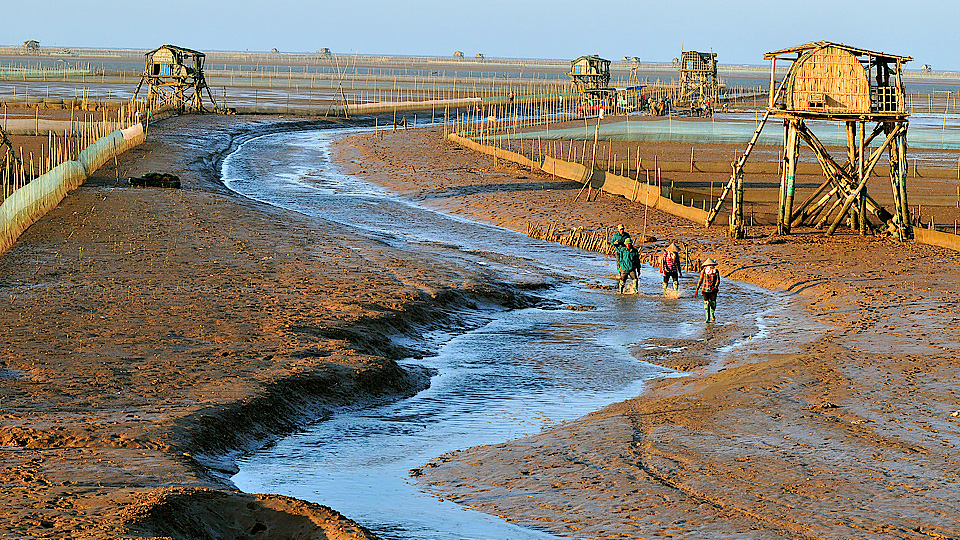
{"x": 706, "y": 311}
{"x": 621, "y": 283}
{"x": 636, "y": 286}
{"x": 676, "y": 285}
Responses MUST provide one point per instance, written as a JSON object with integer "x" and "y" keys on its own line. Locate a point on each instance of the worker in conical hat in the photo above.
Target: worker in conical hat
{"x": 670, "y": 267}
{"x": 709, "y": 283}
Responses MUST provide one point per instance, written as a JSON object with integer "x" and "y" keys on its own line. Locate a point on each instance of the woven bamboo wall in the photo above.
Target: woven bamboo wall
{"x": 829, "y": 81}
{"x": 697, "y": 61}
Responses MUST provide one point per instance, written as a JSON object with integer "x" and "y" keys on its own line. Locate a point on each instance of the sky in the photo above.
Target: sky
{"x": 738, "y": 31}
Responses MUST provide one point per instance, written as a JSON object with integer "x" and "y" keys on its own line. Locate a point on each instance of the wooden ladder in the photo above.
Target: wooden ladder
{"x": 742, "y": 160}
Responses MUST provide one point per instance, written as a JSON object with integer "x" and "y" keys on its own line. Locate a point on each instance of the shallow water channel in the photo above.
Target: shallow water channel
{"x": 516, "y": 373}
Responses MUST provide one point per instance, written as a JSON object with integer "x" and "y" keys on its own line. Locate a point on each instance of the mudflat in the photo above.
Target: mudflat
{"x": 848, "y": 430}
{"x": 150, "y": 335}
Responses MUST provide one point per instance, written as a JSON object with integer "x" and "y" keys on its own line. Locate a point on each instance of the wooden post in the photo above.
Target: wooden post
{"x": 737, "y": 229}
{"x": 862, "y": 205}
{"x": 788, "y": 182}
{"x": 902, "y": 184}
{"x": 868, "y": 169}
{"x": 596, "y": 136}
{"x": 895, "y": 179}
{"x": 773, "y": 71}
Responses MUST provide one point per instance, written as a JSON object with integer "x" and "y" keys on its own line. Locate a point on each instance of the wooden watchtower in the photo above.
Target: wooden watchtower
{"x": 174, "y": 77}
{"x": 698, "y": 78}
{"x": 589, "y": 73}
{"x": 835, "y": 82}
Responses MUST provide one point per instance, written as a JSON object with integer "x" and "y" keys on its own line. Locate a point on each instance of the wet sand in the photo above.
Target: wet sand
{"x": 152, "y": 334}
{"x": 846, "y": 432}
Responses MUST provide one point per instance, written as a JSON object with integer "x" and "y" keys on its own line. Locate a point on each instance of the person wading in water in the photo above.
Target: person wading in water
{"x": 628, "y": 264}
{"x": 670, "y": 267}
{"x": 710, "y": 284}
{"x": 618, "y": 241}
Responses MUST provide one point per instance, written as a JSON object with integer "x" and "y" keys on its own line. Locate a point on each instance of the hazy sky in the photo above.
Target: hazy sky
{"x": 739, "y": 31}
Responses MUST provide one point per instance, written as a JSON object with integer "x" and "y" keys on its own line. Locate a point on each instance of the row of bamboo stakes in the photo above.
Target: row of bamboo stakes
{"x": 598, "y": 241}
{"x": 492, "y": 124}
{"x": 489, "y": 124}
{"x": 20, "y": 168}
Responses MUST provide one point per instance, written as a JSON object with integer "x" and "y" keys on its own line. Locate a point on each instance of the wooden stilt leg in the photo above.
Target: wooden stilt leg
{"x": 902, "y": 184}
{"x": 781, "y": 200}
{"x": 790, "y": 172}
{"x": 861, "y": 203}
{"x": 737, "y": 226}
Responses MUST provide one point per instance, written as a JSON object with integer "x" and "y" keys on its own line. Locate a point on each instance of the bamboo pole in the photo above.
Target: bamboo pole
{"x": 865, "y": 175}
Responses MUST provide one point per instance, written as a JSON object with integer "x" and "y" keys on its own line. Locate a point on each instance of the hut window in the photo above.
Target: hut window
{"x": 885, "y": 99}
{"x": 816, "y": 101}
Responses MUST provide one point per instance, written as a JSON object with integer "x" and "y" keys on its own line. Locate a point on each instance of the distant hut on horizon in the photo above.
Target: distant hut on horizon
{"x": 175, "y": 80}
{"x": 31, "y": 45}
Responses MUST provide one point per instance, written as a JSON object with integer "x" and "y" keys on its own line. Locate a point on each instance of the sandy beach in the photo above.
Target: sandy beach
{"x": 153, "y": 335}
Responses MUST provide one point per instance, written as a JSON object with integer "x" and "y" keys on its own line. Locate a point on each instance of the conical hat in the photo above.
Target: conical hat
{"x": 709, "y": 262}
{"x": 673, "y": 248}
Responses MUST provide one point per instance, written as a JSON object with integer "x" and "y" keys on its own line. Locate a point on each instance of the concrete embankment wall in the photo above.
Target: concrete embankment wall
{"x": 936, "y": 238}
{"x": 608, "y": 182}
{"x": 29, "y": 203}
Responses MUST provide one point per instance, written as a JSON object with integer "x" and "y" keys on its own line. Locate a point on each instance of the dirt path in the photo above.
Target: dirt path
{"x": 150, "y": 333}
{"x": 847, "y": 433}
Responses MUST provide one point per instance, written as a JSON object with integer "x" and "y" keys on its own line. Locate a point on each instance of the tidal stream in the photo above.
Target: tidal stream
{"x": 516, "y": 373}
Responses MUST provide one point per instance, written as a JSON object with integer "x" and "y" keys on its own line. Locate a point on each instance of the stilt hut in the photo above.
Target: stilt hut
{"x": 589, "y": 73}
{"x": 860, "y": 88}
{"x": 698, "y": 78}
{"x": 174, "y": 78}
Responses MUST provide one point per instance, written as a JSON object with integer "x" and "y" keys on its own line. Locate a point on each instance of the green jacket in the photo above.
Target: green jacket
{"x": 617, "y": 241}
{"x": 628, "y": 259}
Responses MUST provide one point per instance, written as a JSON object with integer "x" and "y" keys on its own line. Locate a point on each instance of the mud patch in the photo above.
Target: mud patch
{"x": 205, "y": 514}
